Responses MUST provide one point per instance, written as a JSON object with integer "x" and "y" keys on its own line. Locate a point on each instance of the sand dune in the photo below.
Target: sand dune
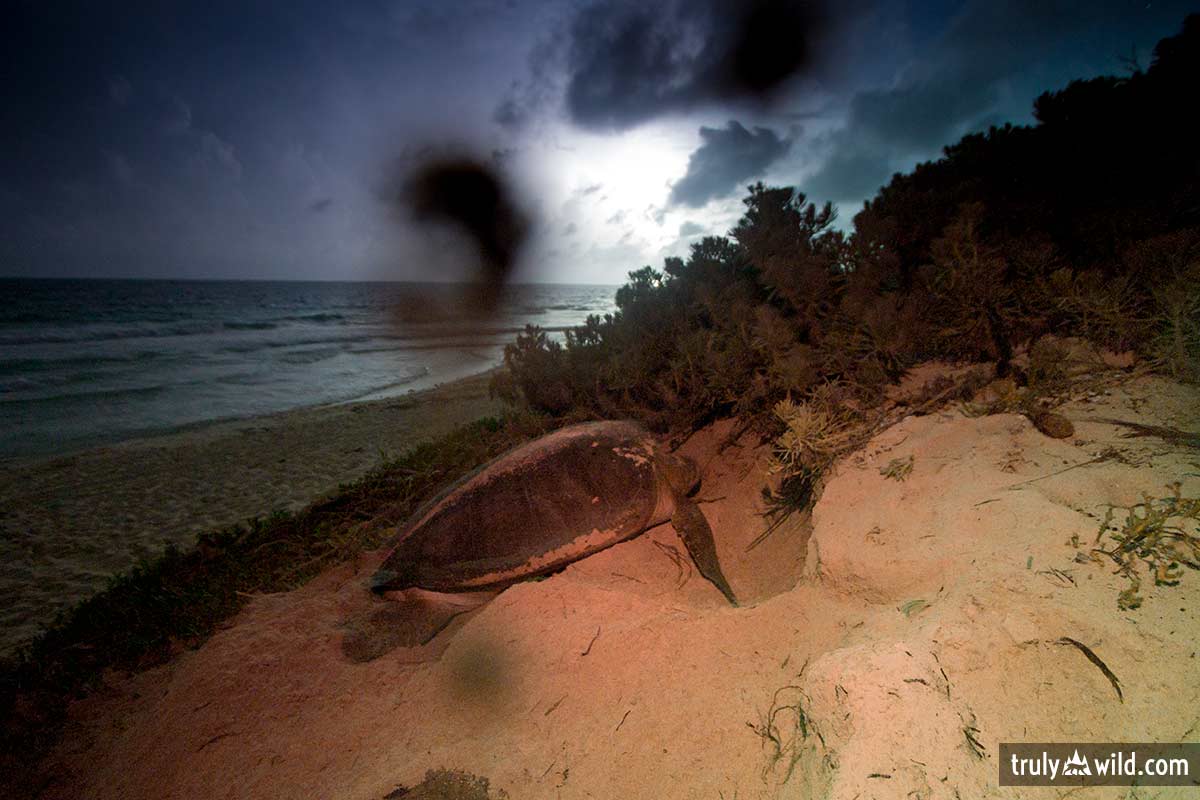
{"x": 628, "y": 676}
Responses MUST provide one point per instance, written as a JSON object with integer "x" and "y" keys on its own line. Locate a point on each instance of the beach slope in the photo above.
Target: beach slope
{"x": 885, "y": 647}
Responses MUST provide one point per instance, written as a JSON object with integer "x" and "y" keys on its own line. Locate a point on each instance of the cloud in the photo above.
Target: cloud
{"x": 510, "y": 113}
{"x": 985, "y": 68}
{"x": 321, "y": 205}
{"x": 626, "y": 62}
{"x": 214, "y": 152}
{"x": 120, "y": 90}
{"x": 178, "y": 117}
{"x": 848, "y": 176}
{"x": 728, "y": 157}
{"x": 689, "y": 229}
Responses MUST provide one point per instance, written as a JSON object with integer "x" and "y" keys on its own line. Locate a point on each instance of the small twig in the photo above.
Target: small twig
{"x": 1095, "y": 659}
{"x": 1169, "y": 435}
{"x": 942, "y": 669}
{"x": 592, "y": 642}
{"x": 684, "y": 569}
{"x": 217, "y": 738}
{"x": 978, "y": 749}
{"x": 622, "y": 722}
{"x": 557, "y": 703}
{"x": 1095, "y": 460}
{"x": 1062, "y": 575}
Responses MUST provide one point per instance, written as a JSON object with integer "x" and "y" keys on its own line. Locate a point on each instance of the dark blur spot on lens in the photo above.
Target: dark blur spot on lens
{"x": 772, "y": 41}
{"x": 481, "y": 674}
{"x": 470, "y": 196}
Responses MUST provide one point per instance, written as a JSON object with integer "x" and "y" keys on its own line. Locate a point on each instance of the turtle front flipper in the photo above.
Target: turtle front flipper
{"x": 689, "y": 522}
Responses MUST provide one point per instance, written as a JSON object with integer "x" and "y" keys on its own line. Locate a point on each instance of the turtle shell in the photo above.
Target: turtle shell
{"x": 531, "y": 511}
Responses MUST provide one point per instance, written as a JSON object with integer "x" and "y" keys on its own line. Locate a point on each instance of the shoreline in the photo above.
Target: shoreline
{"x": 70, "y": 522}
{"x": 416, "y": 387}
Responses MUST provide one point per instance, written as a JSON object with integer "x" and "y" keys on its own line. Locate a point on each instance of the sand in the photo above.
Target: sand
{"x": 628, "y": 676}
{"x": 68, "y": 524}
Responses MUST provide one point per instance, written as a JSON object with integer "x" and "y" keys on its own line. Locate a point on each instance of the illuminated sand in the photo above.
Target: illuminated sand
{"x": 623, "y": 677}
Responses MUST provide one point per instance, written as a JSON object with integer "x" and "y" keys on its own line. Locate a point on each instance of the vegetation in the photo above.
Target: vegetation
{"x": 445, "y": 784}
{"x": 1086, "y": 224}
{"x": 1156, "y": 532}
{"x": 178, "y": 600}
{"x": 898, "y": 469}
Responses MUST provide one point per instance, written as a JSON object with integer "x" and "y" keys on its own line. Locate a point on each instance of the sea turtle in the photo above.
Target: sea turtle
{"x": 550, "y": 502}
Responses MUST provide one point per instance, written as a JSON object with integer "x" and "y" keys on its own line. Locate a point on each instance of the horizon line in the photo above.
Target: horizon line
{"x": 287, "y": 280}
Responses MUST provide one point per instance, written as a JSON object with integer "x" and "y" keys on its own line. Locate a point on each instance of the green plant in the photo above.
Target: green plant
{"x": 1175, "y": 346}
{"x": 898, "y": 469}
{"x": 1161, "y": 532}
{"x": 814, "y": 434}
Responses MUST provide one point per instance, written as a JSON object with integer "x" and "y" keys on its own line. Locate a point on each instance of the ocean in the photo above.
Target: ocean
{"x": 85, "y": 363}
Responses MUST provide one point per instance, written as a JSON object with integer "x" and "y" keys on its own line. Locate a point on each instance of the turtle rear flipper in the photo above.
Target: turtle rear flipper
{"x": 409, "y": 619}
{"x": 691, "y": 525}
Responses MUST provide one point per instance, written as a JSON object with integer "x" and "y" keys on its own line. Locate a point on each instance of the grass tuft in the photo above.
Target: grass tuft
{"x": 898, "y": 469}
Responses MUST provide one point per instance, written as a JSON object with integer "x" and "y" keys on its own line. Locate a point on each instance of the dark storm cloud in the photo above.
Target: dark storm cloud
{"x": 727, "y": 158}
{"x": 689, "y": 229}
{"x": 990, "y": 63}
{"x": 627, "y": 62}
{"x": 201, "y": 139}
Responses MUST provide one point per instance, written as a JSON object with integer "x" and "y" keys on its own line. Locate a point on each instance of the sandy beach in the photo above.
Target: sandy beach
{"x": 67, "y": 524}
{"x": 884, "y": 647}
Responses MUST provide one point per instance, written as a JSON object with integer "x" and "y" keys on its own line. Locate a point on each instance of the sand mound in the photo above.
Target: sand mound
{"x": 886, "y": 648}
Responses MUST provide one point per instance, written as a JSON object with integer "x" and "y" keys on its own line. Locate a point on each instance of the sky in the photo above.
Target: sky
{"x": 264, "y": 140}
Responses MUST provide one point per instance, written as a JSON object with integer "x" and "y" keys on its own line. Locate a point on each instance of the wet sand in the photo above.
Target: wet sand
{"x": 69, "y": 523}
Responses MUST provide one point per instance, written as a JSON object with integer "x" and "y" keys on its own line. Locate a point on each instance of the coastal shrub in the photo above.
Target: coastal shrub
{"x": 970, "y": 284}
{"x": 1171, "y": 264}
{"x": 714, "y": 334}
{"x": 535, "y": 369}
{"x": 1011, "y": 235}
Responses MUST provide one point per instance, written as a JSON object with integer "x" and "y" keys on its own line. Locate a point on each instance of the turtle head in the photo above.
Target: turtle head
{"x": 680, "y": 473}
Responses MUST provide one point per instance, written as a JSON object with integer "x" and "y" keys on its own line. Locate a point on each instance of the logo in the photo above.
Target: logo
{"x": 1076, "y": 766}
{"x": 1080, "y": 764}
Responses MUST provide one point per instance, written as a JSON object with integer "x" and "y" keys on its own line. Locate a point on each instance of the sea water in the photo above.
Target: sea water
{"x": 92, "y": 362}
